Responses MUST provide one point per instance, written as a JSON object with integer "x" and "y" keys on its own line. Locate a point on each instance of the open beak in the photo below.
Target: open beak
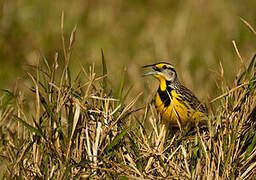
{"x": 154, "y": 72}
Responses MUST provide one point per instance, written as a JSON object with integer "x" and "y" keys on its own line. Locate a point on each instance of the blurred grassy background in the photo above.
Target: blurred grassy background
{"x": 195, "y": 36}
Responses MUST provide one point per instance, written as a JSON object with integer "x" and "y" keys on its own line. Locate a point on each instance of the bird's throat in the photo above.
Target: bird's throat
{"x": 162, "y": 81}
{"x": 162, "y": 84}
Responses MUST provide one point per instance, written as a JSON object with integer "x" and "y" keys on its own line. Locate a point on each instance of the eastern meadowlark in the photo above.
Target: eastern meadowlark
{"x": 176, "y": 104}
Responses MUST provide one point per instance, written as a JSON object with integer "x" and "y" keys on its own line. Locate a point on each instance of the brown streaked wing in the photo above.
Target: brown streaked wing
{"x": 192, "y": 100}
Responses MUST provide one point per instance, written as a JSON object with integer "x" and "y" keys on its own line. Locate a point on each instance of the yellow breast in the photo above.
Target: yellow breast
{"x": 176, "y": 110}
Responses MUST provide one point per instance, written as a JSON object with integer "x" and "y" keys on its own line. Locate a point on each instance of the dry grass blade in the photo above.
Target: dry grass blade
{"x": 232, "y": 90}
{"x": 248, "y": 25}
{"x": 185, "y": 160}
{"x": 72, "y": 39}
{"x": 250, "y": 170}
{"x": 62, "y": 35}
{"x": 128, "y": 107}
{"x": 170, "y": 157}
{"x": 238, "y": 53}
{"x": 37, "y": 100}
{"x": 96, "y": 143}
{"x": 75, "y": 121}
{"x": 88, "y": 143}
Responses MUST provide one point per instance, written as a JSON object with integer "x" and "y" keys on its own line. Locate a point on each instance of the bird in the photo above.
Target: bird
{"x": 176, "y": 104}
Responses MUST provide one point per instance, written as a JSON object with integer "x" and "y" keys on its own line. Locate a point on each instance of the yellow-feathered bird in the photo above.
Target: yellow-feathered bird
{"x": 176, "y": 104}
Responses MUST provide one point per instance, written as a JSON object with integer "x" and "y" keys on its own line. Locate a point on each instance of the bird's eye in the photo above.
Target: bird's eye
{"x": 164, "y": 67}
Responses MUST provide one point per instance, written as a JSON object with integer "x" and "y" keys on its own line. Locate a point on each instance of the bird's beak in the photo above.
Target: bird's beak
{"x": 154, "y": 72}
{"x": 150, "y": 73}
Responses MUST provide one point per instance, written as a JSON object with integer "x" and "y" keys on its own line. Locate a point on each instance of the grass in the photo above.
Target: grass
{"x": 74, "y": 126}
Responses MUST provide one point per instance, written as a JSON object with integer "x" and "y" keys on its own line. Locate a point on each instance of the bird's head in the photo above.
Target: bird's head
{"x": 164, "y": 72}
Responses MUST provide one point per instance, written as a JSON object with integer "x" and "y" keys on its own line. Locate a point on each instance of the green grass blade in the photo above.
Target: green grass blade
{"x": 117, "y": 139}
{"x": 47, "y": 64}
{"x": 69, "y": 77}
{"x": 121, "y": 88}
{"x": 46, "y": 106}
{"x": 250, "y": 147}
{"x": 37, "y": 74}
{"x": 70, "y": 121}
{"x": 104, "y": 66}
{"x": 123, "y": 178}
{"x": 6, "y": 100}
{"x": 249, "y": 72}
{"x": 31, "y": 128}
{"x": 127, "y": 93}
